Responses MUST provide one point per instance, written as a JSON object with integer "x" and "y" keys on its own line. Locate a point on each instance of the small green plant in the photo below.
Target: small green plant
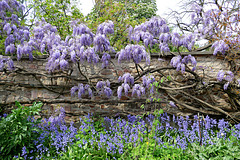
{"x": 19, "y": 129}
{"x": 222, "y": 149}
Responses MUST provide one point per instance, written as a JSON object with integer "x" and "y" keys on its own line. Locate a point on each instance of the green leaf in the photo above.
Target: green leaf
{"x": 162, "y": 79}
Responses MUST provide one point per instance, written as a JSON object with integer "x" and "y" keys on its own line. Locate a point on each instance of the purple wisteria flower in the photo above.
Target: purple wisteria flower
{"x": 147, "y": 82}
{"x": 11, "y": 27}
{"x": 220, "y": 46}
{"x": 82, "y": 90}
{"x": 106, "y": 28}
{"x": 126, "y": 78}
{"x": 171, "y": 103}
{"x": 134, "y": 52}
{"x": 101, "y": 43}
{"x": 227, "y": 76}
{"x": 103, "y": 88}
{"x": 7, "y": 63}
{"x": 149, "y": 31}
{"x": 138, "y": 90}
{"x": 179, "y": 63}
{"x": 81, "y": 29}
{"x": 105, "y": 59}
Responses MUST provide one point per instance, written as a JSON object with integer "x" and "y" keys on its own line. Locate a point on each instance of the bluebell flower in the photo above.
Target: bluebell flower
{"x": 24, "y": 152}
{"x": 4, "y": 115}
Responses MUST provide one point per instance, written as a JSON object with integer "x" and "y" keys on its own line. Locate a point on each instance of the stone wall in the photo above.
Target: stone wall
{"x": 32, "y": 83}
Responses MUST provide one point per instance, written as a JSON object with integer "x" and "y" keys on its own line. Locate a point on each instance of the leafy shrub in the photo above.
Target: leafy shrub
{"x": 18, "y": 130}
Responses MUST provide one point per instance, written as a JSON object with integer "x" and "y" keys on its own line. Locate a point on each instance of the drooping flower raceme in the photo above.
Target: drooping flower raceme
{"x": 220, "y": 46}
{"x": 127, "y": 80}
{"x": 82, "y": 90}
{"x": 227, "y": 76}
{"x": 147, "y": 82}
{"x": 105, "y": 59}
{"x": 149, "y": 31}
{"x": 106, "y": 28}
{"x": 179, "y": 63}
{"x": 10, "y": 28}
{"x": 134, "y": 52}
{"x": 103, "y": 88}
{"x": 138, "y": 90}
{"x": 6, "y": 63}
{"x": 101, "y": 43}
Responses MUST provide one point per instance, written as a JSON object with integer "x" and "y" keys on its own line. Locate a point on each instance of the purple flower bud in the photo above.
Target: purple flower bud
{"x": 126, "y": 88}
{"x": 90, "y": 93}
{"x": 108, "y": 92}
{"x": 220, "y": 75}
{"x": 119, "y": 91}
{"x": 226, "y": 86}
{"x": 73, "y": 90}
{"x": 229, "y": 76}
{"x": 238, "y": 82}
{"x": 10, "y": 64}
{"x": 172, "y": 104}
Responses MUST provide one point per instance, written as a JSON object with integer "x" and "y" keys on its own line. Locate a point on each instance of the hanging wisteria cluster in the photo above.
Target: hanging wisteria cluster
{"x": 11, "y": 29}
{"x": 156, "y": 31}
{"x": 220, "y": 22}
{"x": 103, "y": 88}
{"x": 226, "y": 76}
{"x": 82, "y": 90}
{"x": 138, "y": 90}
{"x": 180, "y": 63}
{"x": 128, "y": 80}
{"x": 6, "y": 63}
{"x": 81, "y": 46}
{"x": 134, "y": 52}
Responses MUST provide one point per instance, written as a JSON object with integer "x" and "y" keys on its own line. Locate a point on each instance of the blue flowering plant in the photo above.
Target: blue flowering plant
{"x": 151, "y": 136}
{"x": 155, "y": 136}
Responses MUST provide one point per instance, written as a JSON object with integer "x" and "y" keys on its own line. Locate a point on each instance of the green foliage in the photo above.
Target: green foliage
{"x": 17, "y": 130}
{"x": 139, "y": 9}
{"x": 142, "y": 10}
{"x": 222, "y": 149}
{"x": 58, "y": 13}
